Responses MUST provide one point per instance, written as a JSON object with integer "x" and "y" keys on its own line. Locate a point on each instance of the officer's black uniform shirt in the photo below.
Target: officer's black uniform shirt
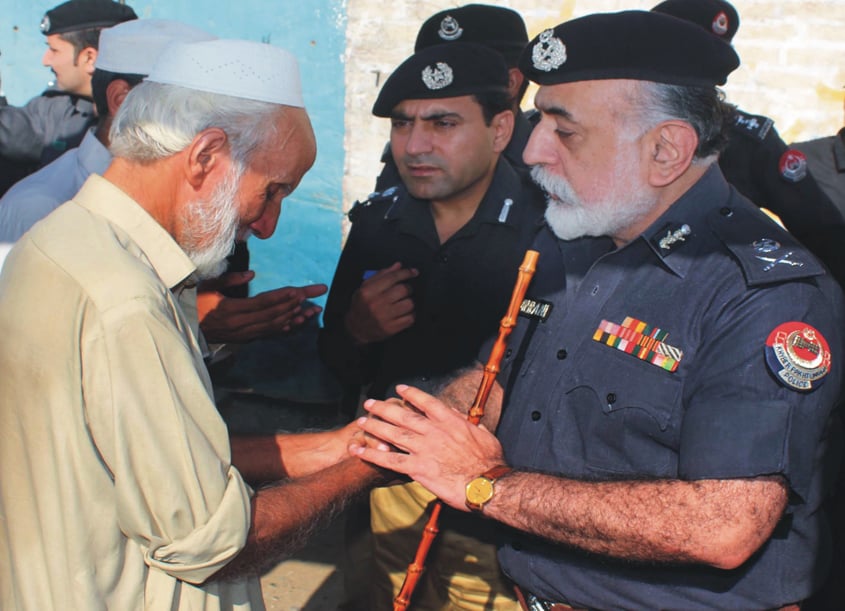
{"x": 752, "y": 164}
{"x": 462, "y": 290}
{"x": 711, "y": 279}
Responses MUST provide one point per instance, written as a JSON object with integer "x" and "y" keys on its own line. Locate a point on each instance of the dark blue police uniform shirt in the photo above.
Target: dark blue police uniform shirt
{"x": 583, "y": 409}
{"x": 462, "y": 290}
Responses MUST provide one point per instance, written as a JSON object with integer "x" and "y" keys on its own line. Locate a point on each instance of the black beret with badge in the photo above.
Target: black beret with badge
{"x": 77, "y": 15}
{"x": 443, "y": 71}
{"x": 637, "y": 45}
{"x": 716, "y": 16}
{"x": 497, "y": 27}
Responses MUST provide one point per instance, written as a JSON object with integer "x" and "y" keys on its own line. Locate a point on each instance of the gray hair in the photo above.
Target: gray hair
{"x": 704, "y": 108}
{"x": 158, "y": 120}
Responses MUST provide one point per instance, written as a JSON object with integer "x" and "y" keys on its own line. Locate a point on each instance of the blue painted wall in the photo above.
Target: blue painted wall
{"x": 306, "y": 244}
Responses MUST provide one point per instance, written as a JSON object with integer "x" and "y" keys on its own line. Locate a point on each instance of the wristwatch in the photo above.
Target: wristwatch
{"x": 480, "y": 490}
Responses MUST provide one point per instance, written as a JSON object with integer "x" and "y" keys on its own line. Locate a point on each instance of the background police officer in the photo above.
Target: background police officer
{"x": 57, "y": 119}
{"x": 760, "y": 164}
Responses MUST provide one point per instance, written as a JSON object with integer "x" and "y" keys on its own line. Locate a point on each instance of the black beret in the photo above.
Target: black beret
{"x": 443, "y": 71}
{"x": 83, "y": 14}
{"x": 637, "y": 45}
{"x": 715, "y": 16}
{"x": 497, "y": 27}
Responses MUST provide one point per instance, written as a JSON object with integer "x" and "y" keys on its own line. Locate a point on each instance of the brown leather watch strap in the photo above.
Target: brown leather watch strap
{"x": 497, "y": 472}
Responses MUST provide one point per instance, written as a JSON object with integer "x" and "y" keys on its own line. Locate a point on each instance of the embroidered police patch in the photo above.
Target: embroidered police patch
{"x": 798, "y": 355}
{"x": 641, "y": 340}
{"x": 535, "y": 308}
{"x": 793, "y": 165}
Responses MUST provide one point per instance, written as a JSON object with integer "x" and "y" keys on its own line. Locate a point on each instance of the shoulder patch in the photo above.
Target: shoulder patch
{"x": 765, "y": 252}
{"x": 798, "y": 355}
{"x": 792, "y": 165}
{"x": 753, "y": 126}
{"x": 376, "y": 197}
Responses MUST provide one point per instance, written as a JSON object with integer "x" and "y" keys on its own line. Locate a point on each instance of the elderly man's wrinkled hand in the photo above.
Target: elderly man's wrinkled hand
{"x": 237, "y": 320}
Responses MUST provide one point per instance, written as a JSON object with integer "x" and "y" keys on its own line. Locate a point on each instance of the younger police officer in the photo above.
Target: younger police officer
{"x": 58, "y": 119}
{"x": 424, "y": 278}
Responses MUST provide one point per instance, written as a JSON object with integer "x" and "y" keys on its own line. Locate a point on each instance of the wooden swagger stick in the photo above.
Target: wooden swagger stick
{"x": 476, "y": 411}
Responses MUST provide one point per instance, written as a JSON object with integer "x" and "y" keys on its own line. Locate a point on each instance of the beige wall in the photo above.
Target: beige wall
{"x": 792, "y": 51}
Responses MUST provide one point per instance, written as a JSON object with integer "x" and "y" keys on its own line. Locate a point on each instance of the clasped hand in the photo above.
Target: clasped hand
{"x": 432, "y": 443}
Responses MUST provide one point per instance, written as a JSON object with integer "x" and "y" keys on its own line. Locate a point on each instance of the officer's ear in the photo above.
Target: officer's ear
{"x": 86, "y": 58}
{"x": 671, "y": 148}
{"x": 116, "y": 92}
{"x": 502, "y": 125}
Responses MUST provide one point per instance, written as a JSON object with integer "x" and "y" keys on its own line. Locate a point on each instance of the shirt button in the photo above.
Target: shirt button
{"x": 561, "y": 354}
{"x": 535, "y": 415}
{"x": 444, "y": 258}
{"x": 508, "y": 353}
{"x": 726, "y": 211}
{"x": 595, "y": 290}
{"x": 516, "y": 545}
{"x": 611, "y": 398}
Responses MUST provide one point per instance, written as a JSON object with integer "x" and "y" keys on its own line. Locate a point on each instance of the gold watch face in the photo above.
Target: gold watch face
{"x": 479, "y": 491}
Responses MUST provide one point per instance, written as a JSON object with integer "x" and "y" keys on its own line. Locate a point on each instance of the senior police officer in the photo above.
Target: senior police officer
{"x": 497, "y": 27}
{"x": 424, "y": 278}
{"x": 667, "y": 438}
{"x": 58, "y": 119}
{"x": 760, "y": 164}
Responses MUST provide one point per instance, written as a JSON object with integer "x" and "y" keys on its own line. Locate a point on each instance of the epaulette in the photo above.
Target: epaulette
{"x": 772, "y": 256}
{"x": 373, "y": 198}
{"x": 754, "y": 126}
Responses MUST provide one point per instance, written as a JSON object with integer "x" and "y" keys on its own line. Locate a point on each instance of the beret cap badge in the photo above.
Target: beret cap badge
{"x": 549, "y": 53}
{"x": 45, "y": 24}
{"x": 721, "y": 24}
{"x": 438, "y": 77}
{"x": 450, "y": 29}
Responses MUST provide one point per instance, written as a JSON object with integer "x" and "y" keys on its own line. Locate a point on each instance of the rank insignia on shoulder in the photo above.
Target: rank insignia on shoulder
{"x": 641, "y": 340}
{"x": 798, "y": 355}
{"x": 766, "y": 250}
{"x": 668, "y": 239}
{"x": 756, "y": 126}
{"x": 792, "y": 165}
{"x": 535, "y": 308}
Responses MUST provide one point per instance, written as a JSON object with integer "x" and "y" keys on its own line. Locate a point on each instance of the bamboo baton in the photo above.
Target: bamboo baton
{"x": 476, "y": 411}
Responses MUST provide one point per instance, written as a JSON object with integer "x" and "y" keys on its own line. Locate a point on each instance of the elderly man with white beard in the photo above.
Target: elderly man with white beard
{"x": 667, "y": 438}
{"x": 119, "y": 485}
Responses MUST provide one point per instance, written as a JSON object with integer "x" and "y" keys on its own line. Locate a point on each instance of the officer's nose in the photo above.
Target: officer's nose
{"x": 419, "y": 140}
{"x": 540, "y": 149}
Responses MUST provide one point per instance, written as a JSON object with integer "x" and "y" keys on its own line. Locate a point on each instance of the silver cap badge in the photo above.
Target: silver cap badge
{"x": 450, "y": 29}
{"x": 438, "y": 77}
{"x": 45, "y": 24}
{"x": 549, "y": 53}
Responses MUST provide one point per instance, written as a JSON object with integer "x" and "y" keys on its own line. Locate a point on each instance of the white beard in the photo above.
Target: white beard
{"x": 570, "y": 217}
{"x": 215, "y": 223}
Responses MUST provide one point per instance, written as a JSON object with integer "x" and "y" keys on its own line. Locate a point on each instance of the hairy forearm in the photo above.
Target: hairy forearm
{"x": 715, "y": 522}
{"x": 267, "y": 458}
{"x": 286, "y": 514}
